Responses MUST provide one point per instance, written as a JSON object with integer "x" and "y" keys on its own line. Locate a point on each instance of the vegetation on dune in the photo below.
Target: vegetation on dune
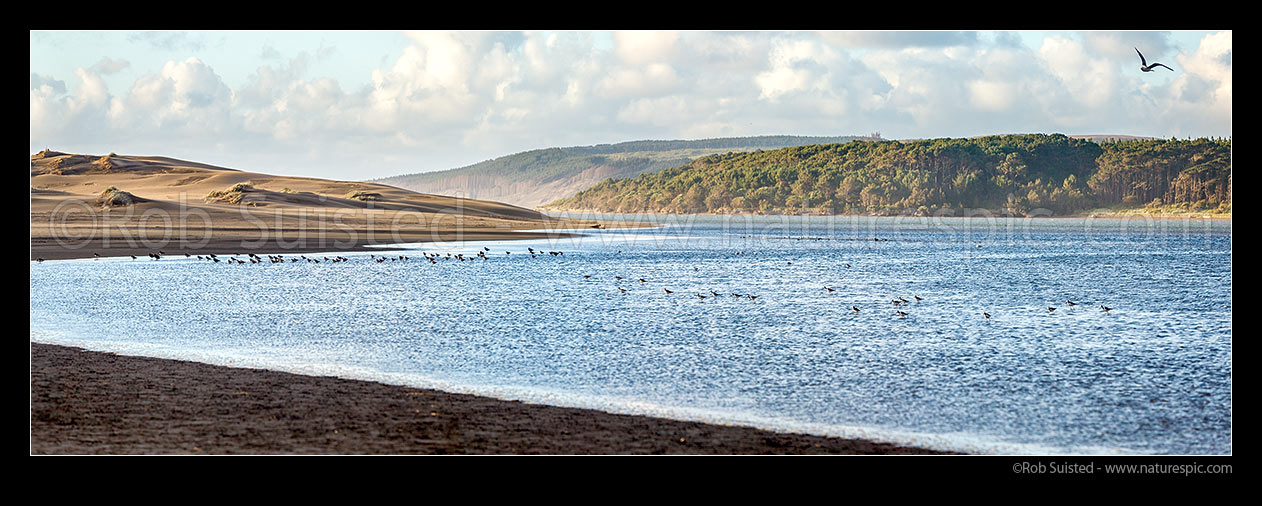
{"x": 114, "y": 197}
{"x": 1009, "y": 174}
{"x": 233, "y": 195}
{"x": 363, "y": 195}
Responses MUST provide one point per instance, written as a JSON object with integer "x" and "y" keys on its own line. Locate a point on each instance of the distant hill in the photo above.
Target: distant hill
{"x": 1008, "y": 174}
{"x": 536, "y": 177}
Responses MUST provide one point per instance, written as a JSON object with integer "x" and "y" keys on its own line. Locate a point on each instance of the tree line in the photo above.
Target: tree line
{"x": 1006, "y": 174}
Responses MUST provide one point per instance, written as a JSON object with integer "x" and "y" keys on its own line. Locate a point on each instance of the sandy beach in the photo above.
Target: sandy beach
{"x": 85, "y": 402}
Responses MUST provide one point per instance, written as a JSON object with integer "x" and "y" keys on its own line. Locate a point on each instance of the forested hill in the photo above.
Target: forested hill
{"x": 1008, "y": 174}
{"x": 536, "y": 177}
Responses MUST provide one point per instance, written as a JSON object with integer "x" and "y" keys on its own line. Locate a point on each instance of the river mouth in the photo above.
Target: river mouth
{"x": 1150, "y": 376}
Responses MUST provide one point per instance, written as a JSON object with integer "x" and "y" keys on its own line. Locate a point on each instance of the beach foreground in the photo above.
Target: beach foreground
{"x": 85, "y": 402}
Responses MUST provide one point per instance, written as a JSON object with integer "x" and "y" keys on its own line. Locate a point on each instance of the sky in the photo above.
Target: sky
{"x": 357, "y": 105}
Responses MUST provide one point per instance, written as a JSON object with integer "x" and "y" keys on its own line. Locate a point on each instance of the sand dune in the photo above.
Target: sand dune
{"x": 185, "y": 206}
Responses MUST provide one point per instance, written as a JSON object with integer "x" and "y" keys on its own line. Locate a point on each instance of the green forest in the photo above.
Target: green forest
{"x": 1018, "y": 175}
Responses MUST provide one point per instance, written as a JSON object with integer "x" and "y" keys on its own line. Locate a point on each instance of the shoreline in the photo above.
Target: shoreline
{"x": 49, "y": 249}
{"x": 88, "y": 402}
{"x": 1076, "y": 216}
{"x": 225, "y": 242}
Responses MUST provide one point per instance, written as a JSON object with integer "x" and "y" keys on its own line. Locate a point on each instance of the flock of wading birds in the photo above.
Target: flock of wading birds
{"x": 433, "y": 258}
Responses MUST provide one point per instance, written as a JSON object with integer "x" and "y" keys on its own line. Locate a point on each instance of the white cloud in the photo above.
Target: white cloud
{"x": 797, "y": 65}
{"x": 1089, "y": 78}
{"x": 47, "y": 86}
{"x": 47, "y": 107}
{"x": 656, "y": 111}
{"x": 1212, "y": 62}
{"x": 899, "y": 40}
{"x": 184, "y": 98}
{"x": 1122, "y": 45}
{"x": 109, "y": 66}
{"x": 1202, "y": 95}
{"x": 645, "y": 47}
{"x": 654, "y": 79}
{"x": 452, "y": 98}
{"x": 992, "y": 96}
{"x": 74, "y": 115}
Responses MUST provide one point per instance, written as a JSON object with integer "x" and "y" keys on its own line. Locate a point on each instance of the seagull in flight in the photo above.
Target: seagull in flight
{"x": 1146, "y": 67}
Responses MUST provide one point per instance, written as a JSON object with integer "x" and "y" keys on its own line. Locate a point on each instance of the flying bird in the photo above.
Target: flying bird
{"x": 1146, "y": 67}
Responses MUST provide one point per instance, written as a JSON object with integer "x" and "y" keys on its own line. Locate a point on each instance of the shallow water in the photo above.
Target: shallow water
{"x": 1151, "y": 376}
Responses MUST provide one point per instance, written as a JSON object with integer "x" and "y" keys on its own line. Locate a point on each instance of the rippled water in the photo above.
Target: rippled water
{"x": 1151, "y": 376}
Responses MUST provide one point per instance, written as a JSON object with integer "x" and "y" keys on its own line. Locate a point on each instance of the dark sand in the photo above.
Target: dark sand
{"x": 85, "y": 402}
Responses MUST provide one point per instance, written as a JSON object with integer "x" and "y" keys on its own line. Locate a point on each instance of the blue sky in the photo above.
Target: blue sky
{"x": 363, "y": 104}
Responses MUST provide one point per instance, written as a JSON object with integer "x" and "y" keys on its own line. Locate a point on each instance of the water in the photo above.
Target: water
{"x": 1152, "y": 376}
